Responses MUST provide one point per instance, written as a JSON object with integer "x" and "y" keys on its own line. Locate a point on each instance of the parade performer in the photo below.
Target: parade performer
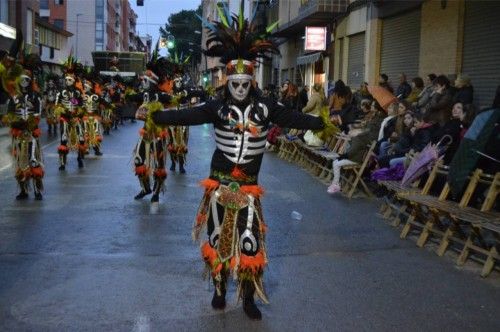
{"x": 230, "y": 209}
{"x": 150, "y": 152}
{"x": 69, "y": 111}
{"x": 108, "y": 110}
{"x": 24, "y": 111}
{"x": 91, "y": 120}
{"x": 49, "y": 102}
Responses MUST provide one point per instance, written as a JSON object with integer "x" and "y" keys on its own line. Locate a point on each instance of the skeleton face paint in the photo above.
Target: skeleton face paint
{"x": 88, "y": 87}
{"x": 239, "y": 88}
{"x": 25, "y": 81}
{"x": 145, "y": 84}
{"x": 178, "y": 82}
{"x": 69, "y": 81}
{"x": 50, "y": 84}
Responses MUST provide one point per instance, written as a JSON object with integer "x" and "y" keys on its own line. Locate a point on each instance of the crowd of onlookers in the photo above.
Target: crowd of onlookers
{"x": 425, "y": 110}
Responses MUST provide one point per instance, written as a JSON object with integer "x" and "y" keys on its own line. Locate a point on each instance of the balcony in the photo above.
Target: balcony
{"x": 312, "y": 13}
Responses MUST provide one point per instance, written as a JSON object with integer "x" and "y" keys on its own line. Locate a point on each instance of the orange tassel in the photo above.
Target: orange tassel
{"x": 166, "y": 86}
{"x": 37, "y": 132}
{"x": 141, "y": 170}
{"x": 37, "y": 172}
{"x": 254, "y": 264}
{"x": 254, "y": 190}
{"x": 263, "y": 227}
{"x": 209, "y": 184}
{"x": 82, "y": 147}
{"x": 16, "y": 132}
{"x": 238, "y": 173}
{"x": 253, "y": 131}
{"x": 99, "y": 138}
{"x": 160, "y": 173}
{"x": 142, "y": 131}
{"x": 163, "y": 134}
{"x": 63, "y": 149}
{"x": 79, "y": 86}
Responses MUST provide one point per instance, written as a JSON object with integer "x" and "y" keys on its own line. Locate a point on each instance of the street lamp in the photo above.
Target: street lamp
{"x": 77, "y": 16}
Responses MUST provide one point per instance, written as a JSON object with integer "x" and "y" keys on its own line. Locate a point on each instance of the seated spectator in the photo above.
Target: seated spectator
{"x": 316, "y": 101}
{"x": 464, "y": 90}
{"x": 341, "y": 95}
{"x": 383, "y": 81}
{"x": 361, "y": 95}
{"x": 425, "y": 96}
{"x": 387, "y": 126}
{"x": 421, "y": 135}
{"x": 395, "y": 128}
{"x": 404, "y": 89}
{"x": 417, "y": 85}
{"x": 290, "y": 96}
{"x": 439, "y": 108}
{"x": 357, "y": 146}
{"x": 401, "y": 146}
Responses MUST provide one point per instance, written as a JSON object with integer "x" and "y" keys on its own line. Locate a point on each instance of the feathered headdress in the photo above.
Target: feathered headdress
{"x": 72, "y": 66}
{"x": 239, "y": 41}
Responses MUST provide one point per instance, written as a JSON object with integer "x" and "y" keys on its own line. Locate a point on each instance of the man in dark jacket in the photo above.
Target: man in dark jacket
{"x": 404, "y": 89}
{"x": 439, "y": 108}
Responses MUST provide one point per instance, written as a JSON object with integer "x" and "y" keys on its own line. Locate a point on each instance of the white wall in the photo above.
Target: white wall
{"x": 86, "y": 28}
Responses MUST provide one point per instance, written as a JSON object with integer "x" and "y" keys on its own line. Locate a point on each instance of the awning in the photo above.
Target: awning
{"x": 7, "y": 31}
{"x": 310, "y": 58}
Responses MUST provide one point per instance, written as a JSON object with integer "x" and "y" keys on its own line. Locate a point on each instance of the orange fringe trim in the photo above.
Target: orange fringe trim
{"x": 141, "y": 170}
{"x": 23, "y": 175}
{"x": 254, "y": 264}
{"x": 254, "y": 190}
{"x": 263, "y": 227}
{"x": 160, "y": 173}
{"x": 37, "y": 132}
{"x": 209, "y": 255}
{"x": 82, "y": 147}
{"x": 62, "y": 149}
{"x": 209, "y": 184}
{"x": 166, "y": 86}
{"x": 37, "y": 172}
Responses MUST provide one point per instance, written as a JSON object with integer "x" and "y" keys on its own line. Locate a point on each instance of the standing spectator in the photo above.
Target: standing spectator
{"x": 465, "y": 91}
{"x": 439, "y": 108}
{"x": 303, "y": 97}
{"x": 383, "y": 81}
{"x": 417, "y": 85}
{"x": 425, "y": 96}
{"x": 316, "y": 101}
{"x": 290, "y": 96}
{"x": 341, "y": 96}
{"x": 404, "y": 88}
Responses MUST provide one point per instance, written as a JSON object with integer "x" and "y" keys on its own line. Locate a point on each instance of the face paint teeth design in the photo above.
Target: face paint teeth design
{"x": 239, "y": 88}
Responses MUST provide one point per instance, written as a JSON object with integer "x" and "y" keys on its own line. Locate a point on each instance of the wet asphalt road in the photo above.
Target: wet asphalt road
{"x": 90, "y": 258}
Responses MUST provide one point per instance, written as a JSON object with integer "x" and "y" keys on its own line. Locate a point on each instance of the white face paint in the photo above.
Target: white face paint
{"x": 51, "y": 84}
{"x": 25, "y": 81}
{"x": 88, "y": 87}
{"x": 69, "y": 81}
{"x": 239, "y": 88}
{"x": 178, "y": 82}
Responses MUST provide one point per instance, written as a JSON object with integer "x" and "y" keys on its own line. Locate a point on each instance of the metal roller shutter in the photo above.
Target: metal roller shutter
{"x": 400, "y": 46}
{"x": 481, "y": 53}
{"x": 356, "y": 64}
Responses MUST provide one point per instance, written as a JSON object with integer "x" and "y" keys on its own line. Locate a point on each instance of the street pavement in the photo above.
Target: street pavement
{"x": 90, "y": 258}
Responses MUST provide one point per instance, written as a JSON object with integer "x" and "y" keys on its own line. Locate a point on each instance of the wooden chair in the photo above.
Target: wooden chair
{"x": 355, "y": 173}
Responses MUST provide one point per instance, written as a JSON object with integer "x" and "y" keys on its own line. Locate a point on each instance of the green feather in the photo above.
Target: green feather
{"x": 222, "y": 16}
{"x": 240, "y": 17}
{"x": 272, "y": 26}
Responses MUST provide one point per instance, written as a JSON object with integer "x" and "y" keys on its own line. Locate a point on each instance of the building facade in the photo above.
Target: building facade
{"x": 7, "y": 23}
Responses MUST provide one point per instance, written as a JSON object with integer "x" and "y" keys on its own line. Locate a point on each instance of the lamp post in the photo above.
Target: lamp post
{"x": 77, "y": 16}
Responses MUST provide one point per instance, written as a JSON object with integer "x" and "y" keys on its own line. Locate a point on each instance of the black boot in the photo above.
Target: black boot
{"x": 22, "y": 195}
{"x": 248, "y": 302}
{"x": 155, "y": 198}
{"x": 172, "y": 168}
{"x": 38, "y": 196}
{"x": 80, "y": 162}
{"x": 97, "y": 151}
{"x": 181, "y": 167}
{"x": 219, "y": 300}
{"x": 142, "y": 193}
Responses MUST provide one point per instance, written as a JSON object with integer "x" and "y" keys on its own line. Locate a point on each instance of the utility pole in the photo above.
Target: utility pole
{"x": 77, "y": 16}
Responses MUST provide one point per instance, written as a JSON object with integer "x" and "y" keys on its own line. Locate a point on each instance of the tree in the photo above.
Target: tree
{"x": 182, "y": 27}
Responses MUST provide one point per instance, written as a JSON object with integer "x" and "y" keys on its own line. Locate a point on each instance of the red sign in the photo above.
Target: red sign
{"x": 315, "y": 39}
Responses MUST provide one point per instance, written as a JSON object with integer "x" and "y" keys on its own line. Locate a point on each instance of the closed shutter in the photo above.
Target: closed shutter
{"x": 356, "y": 64}
{"x": 400, "y": 46}
{"x": 481, "y": 53}
{"x": 341, "y": 57}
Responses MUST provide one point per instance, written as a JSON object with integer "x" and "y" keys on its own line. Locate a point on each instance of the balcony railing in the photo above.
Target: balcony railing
{"x": 309, "y": 7}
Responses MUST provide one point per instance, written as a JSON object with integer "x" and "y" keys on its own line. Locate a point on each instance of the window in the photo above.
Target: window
{"x": 59, "y": 2}
{"x": 29, "y": 26}
{"x": 44, "y": 4}
{"x": 4, "y": 11}
{"x": 59, "y": 23}
{"x": 52, "y": 53}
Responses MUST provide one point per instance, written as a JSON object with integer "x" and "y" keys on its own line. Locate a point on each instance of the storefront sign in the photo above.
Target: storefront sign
{"x": 315, "y": 39}
{"x": 7, "y": 31}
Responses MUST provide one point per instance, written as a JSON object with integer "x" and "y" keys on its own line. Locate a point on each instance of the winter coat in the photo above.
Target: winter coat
{"x": 403, "y": 91}
{"x": 413, "y": 96}
{"x": 439, "y": 108}
{"x": 425, "y": 96}
{"x": 422, "y": 137}
{"x": 314, "y": 104}
{"x": 357, "y": 148}
{"x": 464, "y": 95}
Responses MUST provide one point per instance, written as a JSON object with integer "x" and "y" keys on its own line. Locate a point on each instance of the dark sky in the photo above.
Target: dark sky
{"x": 155, "y": 13}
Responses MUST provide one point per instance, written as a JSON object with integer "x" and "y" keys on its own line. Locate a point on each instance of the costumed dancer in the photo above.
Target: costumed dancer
{"x": 107, "y": 111}
{"x": 230, "y": 209}
{"x": 23, "y": 116}
{"x": 68, "y": 109}
{"x": 49, "y": 102}
{"x": 150, "y": 152}
{"x": 91, "y": 120}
